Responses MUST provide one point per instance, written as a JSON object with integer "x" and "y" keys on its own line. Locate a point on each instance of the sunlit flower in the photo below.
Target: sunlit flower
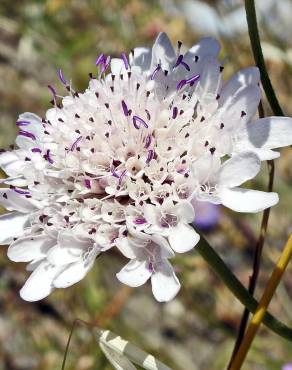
{"x": 122, "y": 164}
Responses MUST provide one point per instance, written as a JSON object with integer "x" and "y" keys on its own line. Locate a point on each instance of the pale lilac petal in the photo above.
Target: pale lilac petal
{"x": 13, "y": 201}
{"x": 165, "y": 284}
{"x": 162, "y": 52}
{"x": 266, "y": 133}
{"x": 30, "y": 248}
{"x": 117, "y": 66}
{"x": 238, "y": 169}
{"x": 40, "y": 283}
{"x": 141, "y": 58}
{"x": 135, "y": 273}
{"x": 246, "y": 200}
{"x": 62, "y": 256}
{"x": 12, "y": 225}
{"x": 74, "y": 272}
{"x": 244, "y": 77}
{"x": 183, "y": 238}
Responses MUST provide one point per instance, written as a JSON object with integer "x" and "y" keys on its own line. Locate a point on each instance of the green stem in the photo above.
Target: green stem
{"x": 239, "y": 291}
{"x": 259, "y": 57}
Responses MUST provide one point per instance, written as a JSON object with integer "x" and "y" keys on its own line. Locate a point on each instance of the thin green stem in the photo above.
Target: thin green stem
{"x": 239, "y": 291}
{"x": 259, "y": 57}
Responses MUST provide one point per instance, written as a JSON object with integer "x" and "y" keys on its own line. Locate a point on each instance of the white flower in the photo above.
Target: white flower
{"x": 149, "y": 256}
{"x": 122, "y": 163}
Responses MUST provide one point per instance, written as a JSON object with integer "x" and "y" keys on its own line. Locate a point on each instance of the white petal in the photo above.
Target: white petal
{"x": 117, "y": 66}
{"x": 135, "y": 273}
{"x": 13, "y": 201}
{"x": 183, "y": 238}
{"x": 12, "y": 225}
{"x": 246, "y": 200}
{"x": 39, "y": 284}
{"x": 267, "y": 133}
{"x": 61, "y": 255}
{"x": 241, "y": 107}
{"x": 141, "y": 58}
{"x": 30, "y": 248}
{"x": 151, "y": 213}
{"x": 165, "y": 284}
{"x": 238, "y": 169}
{"x": 244, "y": 77}
{"x": 127, "y": 248}
{"x": 185, "y": 211}
{"x": 162, "y": 52}
{"x": 207, "y": 46}
{"x": 11, "y": 164}
{"x": 74, "y": 273}
{"x": 209, "y": 82}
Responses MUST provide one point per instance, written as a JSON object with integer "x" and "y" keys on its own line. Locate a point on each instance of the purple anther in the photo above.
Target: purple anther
{"x": 150, "y": 267}
{"x": 61, "y": 77}
{"x": 148, "y": 141}
{"x": 53, "y": 91}
{"x": 74, "y": 145}
{"x": 150, "y": 156}
{"x": 36, "y": 150}
{"x": 179, "y": 60}
{"x": 114, "y": 173}
{"x": 139, "y": 120}
{"x": 48, "y": 157}
{"x": 140, "y": 221}
{"x": 193, "y": 79}
{"x": 148, "y": 114}
{"x": 181, "y": 84}
{"x": 174, "y": 112}
{"x": 22, "y": 123}
{"x": 185, "y": 65}
{"x": 19, "y": 191}
{"x": 122, "y": 175}
{"x": 87, "y": 183}
{"x": 125, "y": 60}
{"x": 100, "y": 60}
{"x": 125, "y": 108}
{"x": 158, "y": 68}
{"x": 105, "y": 64}
{"x": 27, "y": 134}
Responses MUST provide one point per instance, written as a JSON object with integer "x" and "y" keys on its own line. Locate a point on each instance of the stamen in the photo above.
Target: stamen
{"x": 100, "y": 60}
{"x": 158, "y": 68}
{"x": 150, "y": 156}
{"x": 54, "y": 93}
{"x": 125, "y": 108}
{"x": 22, "y": 123}
{"x": 87, "y": 183}
{"x": 61, "y": 77}
{"x": 140, "y": 221}
{"x": 27, "y": 134}
{"x": 19, "y": 191}
{"x": 140, "y": 120}
{"x": 148, "y": 141}
{"x": 193, "y": 79}
{"x": 181, "y": 84}
{"x": 174, "y": 112}
{"x": 123, "y": 174}
{"x": 47, "y": 157}
{"x": 74, "y": 145}
{"x": 36, "y": 150}
{"x": 125, "y": 60}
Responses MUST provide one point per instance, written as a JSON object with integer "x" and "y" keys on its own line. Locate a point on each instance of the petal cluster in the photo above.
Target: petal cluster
{"x": 123, "y": 165}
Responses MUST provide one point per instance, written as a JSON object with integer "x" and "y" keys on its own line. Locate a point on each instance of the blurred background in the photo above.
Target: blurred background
{"x": 197, "y": 330}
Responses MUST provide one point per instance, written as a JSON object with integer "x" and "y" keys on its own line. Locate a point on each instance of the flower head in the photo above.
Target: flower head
{"x": 122, "y": 164}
